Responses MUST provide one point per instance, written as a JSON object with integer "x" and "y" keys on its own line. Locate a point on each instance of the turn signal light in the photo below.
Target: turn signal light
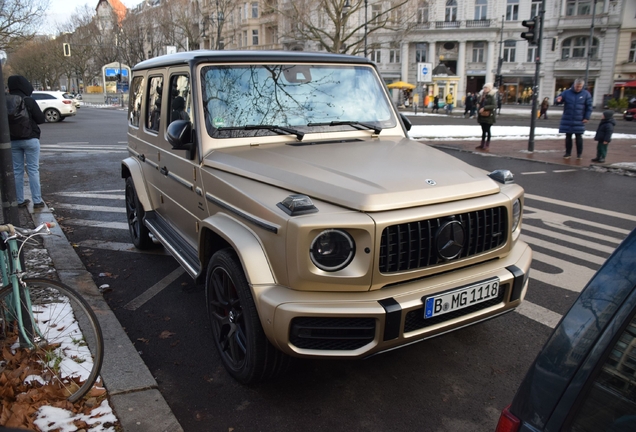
{"x": 508, "y": 422}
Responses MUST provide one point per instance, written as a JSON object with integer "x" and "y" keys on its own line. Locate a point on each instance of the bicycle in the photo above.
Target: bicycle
{"x": 46, "y": 323}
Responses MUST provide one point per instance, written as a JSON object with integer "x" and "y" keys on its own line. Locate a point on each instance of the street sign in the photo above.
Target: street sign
{"x": 424, "y": 72}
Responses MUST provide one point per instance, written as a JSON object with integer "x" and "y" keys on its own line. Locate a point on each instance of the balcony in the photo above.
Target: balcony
{"x": 423, "y": 25}
{"x": 585, "y": 21}
{"x": 578, "y": 64}
{"x": 478, "y": 23}
{"x": 447, "y": 24}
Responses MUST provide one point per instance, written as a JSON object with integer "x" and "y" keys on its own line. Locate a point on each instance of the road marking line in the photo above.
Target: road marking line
{"x": 566, "y": 170}
{"x": 534, "y": 172}
{"x": 139, "y": 301}
{"x": 539, "y": 314}
{"x": 558, "y": 221}
{"x": 582, "y": 207}
{"x": 80, "y": 151}
{"x": 91, "y": 195}
{"x": 96, "y": 223}
{"x": 84, "y": 192}
{"x": 563, "y": 250}
{"x": 573, "y": 277}
{"x": 91, "y": 208}
{"x": 121, "y": 247}
{"x": 568, "y": 239}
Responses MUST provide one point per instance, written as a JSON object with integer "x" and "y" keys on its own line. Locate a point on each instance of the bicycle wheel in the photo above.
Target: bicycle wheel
{"x": 71, "y": 347}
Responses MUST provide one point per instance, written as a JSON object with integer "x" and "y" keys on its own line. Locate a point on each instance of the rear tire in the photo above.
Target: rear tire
{"x": 236, "y": 328}
{"x": 71, "y": 350}
{"x": 139, "y": 233}
{"x": 52, "y": 115}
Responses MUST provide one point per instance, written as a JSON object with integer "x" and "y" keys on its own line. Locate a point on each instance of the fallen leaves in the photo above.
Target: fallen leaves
{"x": 166, "y": 334}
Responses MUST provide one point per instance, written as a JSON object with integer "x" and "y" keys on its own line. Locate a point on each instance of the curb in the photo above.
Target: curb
{"x": 132, "y": 390}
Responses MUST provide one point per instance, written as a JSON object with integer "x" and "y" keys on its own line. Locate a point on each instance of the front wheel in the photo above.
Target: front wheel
{"x": 139, "y": 233}
{"x": 239, "y": 338}
{"x": 52, "y": 115}
{"x": 68, "y": 347}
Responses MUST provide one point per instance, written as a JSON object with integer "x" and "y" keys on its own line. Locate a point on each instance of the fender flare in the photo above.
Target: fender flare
{"x": 246, "y": 245}
{"x": 130, "y": 167}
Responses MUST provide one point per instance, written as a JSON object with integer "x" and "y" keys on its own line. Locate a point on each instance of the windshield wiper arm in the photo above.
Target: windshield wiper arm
{"x": 281, "y": 130}
{"x": 355, "y": 124}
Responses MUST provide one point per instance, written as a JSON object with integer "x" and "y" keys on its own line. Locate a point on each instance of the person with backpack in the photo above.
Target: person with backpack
{"x": 24, "y": 117}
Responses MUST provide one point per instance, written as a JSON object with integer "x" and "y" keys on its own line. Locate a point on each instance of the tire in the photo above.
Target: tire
{"x": 71, "y": 350}
{"x": 52, "y": 115}
{"x": 62, "y": 118}
{"x": 139, "y": 233}
{"x": 239, "y": 338}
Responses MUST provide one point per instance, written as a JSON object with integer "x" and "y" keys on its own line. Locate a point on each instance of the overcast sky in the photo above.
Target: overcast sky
{"x": 60, "y": 10}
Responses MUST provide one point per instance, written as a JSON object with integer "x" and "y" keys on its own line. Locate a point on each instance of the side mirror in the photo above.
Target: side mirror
{"x": 407, "y": 122}
{"x": 180, "y": 137}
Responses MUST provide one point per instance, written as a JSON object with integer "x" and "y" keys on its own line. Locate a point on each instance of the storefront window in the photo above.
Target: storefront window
{"x": 562, "y": 84}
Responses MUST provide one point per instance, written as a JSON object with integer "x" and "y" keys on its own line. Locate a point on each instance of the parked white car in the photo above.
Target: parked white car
{"x": 54, "y": 105}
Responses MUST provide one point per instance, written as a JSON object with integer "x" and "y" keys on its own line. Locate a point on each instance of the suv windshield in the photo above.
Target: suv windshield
{"x": 306, "y": 98}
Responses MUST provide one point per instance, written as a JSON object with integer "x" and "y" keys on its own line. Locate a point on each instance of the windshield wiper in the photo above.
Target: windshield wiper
{"x": 355, "y": 124}
{"x": 281, "y": 130}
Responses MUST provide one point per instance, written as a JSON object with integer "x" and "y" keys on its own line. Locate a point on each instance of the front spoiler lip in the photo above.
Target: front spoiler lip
{"x": 284, "y": 309}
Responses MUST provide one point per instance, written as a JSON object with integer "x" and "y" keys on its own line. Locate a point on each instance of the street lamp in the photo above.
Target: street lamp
{"x": 345, "y": 10}
{"x": 365, "y": 26}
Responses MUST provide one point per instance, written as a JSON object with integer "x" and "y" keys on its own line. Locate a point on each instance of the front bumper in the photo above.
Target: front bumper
{"x": 360, "y": 324}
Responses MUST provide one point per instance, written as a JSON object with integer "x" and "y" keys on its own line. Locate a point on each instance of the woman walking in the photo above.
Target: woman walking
{"x": 486, "y": 114}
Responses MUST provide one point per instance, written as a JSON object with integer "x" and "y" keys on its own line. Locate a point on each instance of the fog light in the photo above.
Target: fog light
{"x": 332, "y": 250}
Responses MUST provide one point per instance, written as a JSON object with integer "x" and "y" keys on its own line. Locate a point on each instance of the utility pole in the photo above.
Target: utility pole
{"x": 589, "y": 46}
{"x": 498, "y": 77}
{"x": 535, "y": 37}
{"x": 7, "y": 181}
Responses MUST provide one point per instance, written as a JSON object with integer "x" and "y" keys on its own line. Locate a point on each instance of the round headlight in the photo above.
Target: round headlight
{"x": 516, "y": 214}
{"x": 332, "y": 250}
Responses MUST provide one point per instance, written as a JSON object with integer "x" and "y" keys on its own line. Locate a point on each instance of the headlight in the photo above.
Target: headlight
{"x": 332, "y": 250}
{"x": 516, "y": 214}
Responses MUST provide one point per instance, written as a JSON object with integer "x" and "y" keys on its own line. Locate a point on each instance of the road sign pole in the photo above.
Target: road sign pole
{"x": 537, "y": 69}
{"x": 8, "y": 197}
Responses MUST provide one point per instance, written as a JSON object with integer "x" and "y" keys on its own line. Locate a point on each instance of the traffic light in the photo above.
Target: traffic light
{"x": 67, "y": 49}
{"x": 532, "y": 34}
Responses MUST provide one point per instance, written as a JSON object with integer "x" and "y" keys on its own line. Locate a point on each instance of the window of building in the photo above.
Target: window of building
{"x": 532, "y": 54}
{"x": 481, "y": 9}
{"x": 394, "y": 55}
{"x": 576, "y": 47}
{"x": 451, "y": 10}
{"x": 376, "y": 56}
{"x": 422, "y": 13}
{"x": 254, "y": 37}
{"x": 244, "y": 38}
{"x": 255, "y": 10}
{"x": 632, "y": 52}
{"x": 509, "y": 49}
{"x": 582, "y": 7}
{"x": 376, "y": 10}
{"x": 478, "y": 52}
{"x": 420, "y": 52}
{"x": 512, "y": 10}
{"x": 535, "y": 7}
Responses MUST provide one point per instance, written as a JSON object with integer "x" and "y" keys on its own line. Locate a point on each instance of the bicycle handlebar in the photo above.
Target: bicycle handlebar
{"x": 25, "y": 232}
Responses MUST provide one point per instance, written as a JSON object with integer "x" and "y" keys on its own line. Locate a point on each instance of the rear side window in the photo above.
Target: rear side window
{"x": 42, "y": 96}
{"x": 153, "y": 103}
{"x": 134, "y": 104}
{"x": 611, "y": 403}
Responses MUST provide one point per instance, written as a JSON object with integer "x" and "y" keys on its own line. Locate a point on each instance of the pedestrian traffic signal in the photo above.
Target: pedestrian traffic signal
{"x": 532, "y": 34}
{"x": 67, "y": 49}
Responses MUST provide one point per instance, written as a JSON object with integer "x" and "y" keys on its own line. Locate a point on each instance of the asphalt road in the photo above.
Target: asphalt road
{"x": 457, "y": 382}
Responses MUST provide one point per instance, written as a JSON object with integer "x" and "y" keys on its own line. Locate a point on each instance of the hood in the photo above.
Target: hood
{"x": 608, "y": 114}
{"x": 364, "y": 175}
{"x": 18, "y": 83}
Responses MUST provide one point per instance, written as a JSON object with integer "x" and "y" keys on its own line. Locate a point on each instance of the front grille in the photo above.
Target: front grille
{"x": 411, "y": 245}
{"x": 415, "y": 319}
{"x": 331, "y": 333}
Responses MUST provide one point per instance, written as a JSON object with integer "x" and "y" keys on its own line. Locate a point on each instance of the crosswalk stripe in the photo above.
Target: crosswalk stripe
{"x": 90, "y": 192}
{"x": 45, "y": 150}
{"x": 539, "y": 314}
{"x": 96, "y": 223}
{"x": 558, "y": 221}
{"x": 573, "y": 277}
{"x": 91, "y": 208}
{"x": 92, "y": 195}
{"x": 594, "y": 259}
{"x": 567, "y": 238}
{"x": 582, "y": 207}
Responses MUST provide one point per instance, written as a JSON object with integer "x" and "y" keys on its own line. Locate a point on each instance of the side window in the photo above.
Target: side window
{"x": 180, "y": 98}
{"x": 153, "y": 103}
{"x": 134, "y": 104}
{"x": 611, "y": 403}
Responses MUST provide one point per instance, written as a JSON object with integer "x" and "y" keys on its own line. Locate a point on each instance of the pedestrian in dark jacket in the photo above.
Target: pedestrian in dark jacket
{"x": 544, "y": 108}
{"x": 486, "y": 114}
{"x": 26, "y": 149}
{"x": 435, "y": 104}
{"x": 604, "y": 135}
{"x": 469, "y": 104}
{"x": 577, "y": 109}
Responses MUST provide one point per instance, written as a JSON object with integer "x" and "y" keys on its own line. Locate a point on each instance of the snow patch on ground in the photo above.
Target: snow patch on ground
{"x": 468, "y": 132}
{"x": 101, "y": 419}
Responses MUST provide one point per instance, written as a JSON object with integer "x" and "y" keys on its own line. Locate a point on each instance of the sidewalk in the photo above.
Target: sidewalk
{"x": 132, "y": 390}
{"x": 506, "y": 110}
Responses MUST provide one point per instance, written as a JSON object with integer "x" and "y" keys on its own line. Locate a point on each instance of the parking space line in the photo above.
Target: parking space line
{"x": 140, "y": 300}
{"x": 533, "y": 172}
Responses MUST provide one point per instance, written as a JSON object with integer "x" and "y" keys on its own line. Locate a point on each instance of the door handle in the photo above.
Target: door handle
{"x": 164, "y": 171}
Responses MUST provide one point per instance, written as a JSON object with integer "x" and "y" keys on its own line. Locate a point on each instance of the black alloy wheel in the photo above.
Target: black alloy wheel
{"x": 139, "y": 233}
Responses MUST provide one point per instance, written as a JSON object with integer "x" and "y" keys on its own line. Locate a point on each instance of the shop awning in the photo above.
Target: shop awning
{"x": 625, "y": 84}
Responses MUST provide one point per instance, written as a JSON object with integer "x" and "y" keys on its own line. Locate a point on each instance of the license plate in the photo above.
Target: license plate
{"x": 461, "y": 298}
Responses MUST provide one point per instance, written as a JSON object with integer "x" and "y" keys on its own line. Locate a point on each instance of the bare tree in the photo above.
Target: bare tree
{"x": 339, "y": 25}
{"x": 19, "y": 21}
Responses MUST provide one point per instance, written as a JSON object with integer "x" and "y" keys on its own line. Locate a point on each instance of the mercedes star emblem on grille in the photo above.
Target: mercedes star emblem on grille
{"x": 450, "y": 239}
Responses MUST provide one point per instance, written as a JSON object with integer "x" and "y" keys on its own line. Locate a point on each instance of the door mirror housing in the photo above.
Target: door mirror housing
{"x": 180, "y": 137}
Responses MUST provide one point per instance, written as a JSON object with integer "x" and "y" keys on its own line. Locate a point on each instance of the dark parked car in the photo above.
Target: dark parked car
{"x": 584, "y": 379}
{"x": 629, "y": 114}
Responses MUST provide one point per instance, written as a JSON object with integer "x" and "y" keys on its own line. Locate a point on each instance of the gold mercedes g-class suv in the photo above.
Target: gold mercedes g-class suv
{"x": 286, "y": 183}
